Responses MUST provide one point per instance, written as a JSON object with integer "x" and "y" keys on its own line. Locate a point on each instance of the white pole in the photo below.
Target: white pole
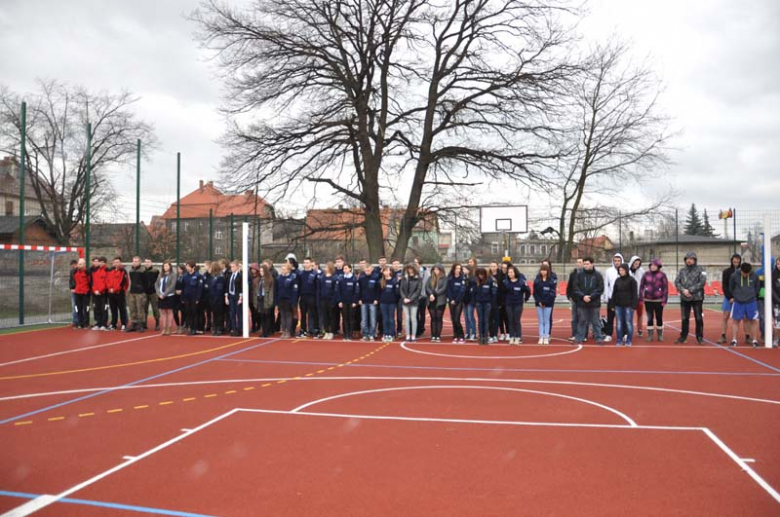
{"x": 51, "y": 284}
{"x": 768, "y": 270}
{"x": 245, "y": 277}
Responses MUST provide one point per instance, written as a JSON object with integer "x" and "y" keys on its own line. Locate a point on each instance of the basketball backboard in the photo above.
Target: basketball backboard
{"x": 503, "y": 219}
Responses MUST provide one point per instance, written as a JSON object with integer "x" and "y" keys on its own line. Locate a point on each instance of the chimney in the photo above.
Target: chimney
{"x": 201, "y": 185}
{"x": 210, "y": 183}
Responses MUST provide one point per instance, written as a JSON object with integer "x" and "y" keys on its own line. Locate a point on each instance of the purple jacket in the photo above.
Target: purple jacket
{"x": 654, "y": 287}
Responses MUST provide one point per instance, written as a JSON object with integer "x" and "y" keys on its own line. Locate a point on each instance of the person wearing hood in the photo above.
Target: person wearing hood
{"x": 588, "y": 288}
{"x": 744, "y": 302}
{"x": 654, "y": 292}
{"x": 625, "y": 293}
{"x": 736, "y": 261}
{"x": 610, "y": 276}
{"x": 637, "y": 272}
{"x": 410, "y": 289}
{"x": 690, "y": 282}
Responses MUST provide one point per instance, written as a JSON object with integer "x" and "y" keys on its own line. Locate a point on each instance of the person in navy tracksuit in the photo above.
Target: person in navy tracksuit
{"x": 369, "y": 301}
{"x": 545, "y": 287}
{"x": 388, "y": 302}
{"x": 485, "y": 293}
{"x": 217, "y": 288}
{"x": 192, "y": 293}
{"x": 327, "y": 299}
{"x": 308, "y": 300}
{"x": 517, "y": 293}
{"x": 287, "y": 293}
{"x": 347, "y": 295}
{"x": 457, "y": 286}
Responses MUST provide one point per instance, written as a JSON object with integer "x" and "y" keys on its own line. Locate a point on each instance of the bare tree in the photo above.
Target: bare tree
{"x": 366, "y": 97}
{"x": 57, "y": 117}
{"x": 618, "y": 133}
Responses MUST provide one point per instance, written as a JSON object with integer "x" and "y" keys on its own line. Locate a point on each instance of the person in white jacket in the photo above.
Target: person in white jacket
{"x": 636, "y": 270}
{"x": 610, "y": 276}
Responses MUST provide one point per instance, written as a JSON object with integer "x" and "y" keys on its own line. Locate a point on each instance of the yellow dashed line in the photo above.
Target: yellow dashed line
{"x": 56, "y": 418}
{"x": 189, "y": 399}
{"x": 26, "y": 422}
{"x": 332, "y": 368}
{"x": 281, "y": 382}
{"x": 141, "y": 407}
{"x": 320, "y": 371}
{"x": 210, "y": 396}
{"x": 166, "y": 403}
{"x": 117, "y": 410}
{"x": 308, "y": 375}
{"x": 266, "y": 385}
{"x": 230, "y": 392}
{"x": 248, "y": 388}
{"x": 82, "y": 415}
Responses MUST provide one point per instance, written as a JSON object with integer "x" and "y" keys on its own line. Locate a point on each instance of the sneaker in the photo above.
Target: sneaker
{"x": 541, "y": 341}
{"x": 519, "y": 341}
{"x": 546, "y": 341}
{"x": 722, "y": 339}
{"x": 572, "y": 339}
{"x": 618, "y": 342}
{"x": 628, "y": 343}
{"x": 408, "y": 338}
{"x": 699, "y": 341}
{"x": 638, "y": 333}
{"x": 681, "y": 340}
{"x": 96, "y": 327}
{"x": 601, "y": 343}
{"x": 755, "y": 344}
{"x": 103, "y": 328}
{"x": 607, "y": 339}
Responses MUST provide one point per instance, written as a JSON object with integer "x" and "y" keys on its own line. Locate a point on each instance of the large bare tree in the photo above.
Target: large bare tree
{"x": 381, "y": 97}
{"x": 617, "y": 134}
{"x": 57, "y": 117}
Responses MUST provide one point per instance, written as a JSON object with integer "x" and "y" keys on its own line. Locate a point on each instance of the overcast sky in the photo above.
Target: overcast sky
{"x": 718, "y": 60}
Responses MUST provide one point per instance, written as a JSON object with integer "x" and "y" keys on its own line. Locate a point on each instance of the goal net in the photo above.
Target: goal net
{"x": 39, "y": 291}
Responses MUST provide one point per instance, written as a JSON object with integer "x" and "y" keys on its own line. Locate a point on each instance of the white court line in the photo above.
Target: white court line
{"x": 552, "y": 354}
{"x": 77, "y": 350}
{"x": 497, "y": 388}
{"x": 31, "y": 506}
{"x": 21, "y": 511}
{"x": 389, "y": 378}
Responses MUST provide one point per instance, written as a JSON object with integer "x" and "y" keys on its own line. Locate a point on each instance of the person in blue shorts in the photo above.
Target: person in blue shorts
{"x": 736, "y": 261}
{"x": 744, "y": 302}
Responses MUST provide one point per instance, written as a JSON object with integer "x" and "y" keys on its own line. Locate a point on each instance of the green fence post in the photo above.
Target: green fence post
{"x": 138, "y": 199}
{"x": 211, "y": 234}
{"x": 178, "y": 209}
{"x": 22, "y": 176}
{"x": 231, "y": 237}
{"x": 88, "y": 192}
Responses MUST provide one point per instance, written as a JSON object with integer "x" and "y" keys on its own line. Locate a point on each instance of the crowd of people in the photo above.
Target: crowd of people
{"x": 395, "y": 301}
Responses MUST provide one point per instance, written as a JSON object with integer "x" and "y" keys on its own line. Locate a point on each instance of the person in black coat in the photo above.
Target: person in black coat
{"x": 588, "y": 288}
{"x": 626, "y": 298}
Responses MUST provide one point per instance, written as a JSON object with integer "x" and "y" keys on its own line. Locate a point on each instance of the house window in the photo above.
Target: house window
{"x": 9, "y": 208}
{"x": 521, "y": 249}
{"x": 543, "y": 249}
{"x": 218, "y": 250}
{"x": 186, "y": 225}
{"x": 531, "y": 249}
{"x": 494, "y": 248}
{"x": 218, "y": 235}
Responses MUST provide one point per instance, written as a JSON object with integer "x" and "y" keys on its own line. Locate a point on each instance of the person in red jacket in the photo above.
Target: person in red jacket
{"x": 99, "y": 292}
{"x": 81, "y": 287}
{"x": 117, "y": 283}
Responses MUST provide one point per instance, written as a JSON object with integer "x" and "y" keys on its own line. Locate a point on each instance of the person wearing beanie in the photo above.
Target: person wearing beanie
{"x": 625, "y": 294}
{"x": 610, "y": 276}
{"x": 736, "y": 261}
{"x": 654, "y": 292}
{"x": 743, "y": 286}
{"x": 690, "y": 282}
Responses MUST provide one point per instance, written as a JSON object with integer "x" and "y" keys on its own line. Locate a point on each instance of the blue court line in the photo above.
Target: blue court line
{"x": 736, "y": 352}
{"x": 101, "y": 504}
{"x": 522, "y": 370}
{"x": 109, "y": 390}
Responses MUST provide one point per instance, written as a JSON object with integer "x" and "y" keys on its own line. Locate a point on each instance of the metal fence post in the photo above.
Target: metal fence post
{"x": 22, "y": 177}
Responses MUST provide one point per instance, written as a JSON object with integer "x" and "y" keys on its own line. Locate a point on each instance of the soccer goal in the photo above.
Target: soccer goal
{"x": 35, "y": 284}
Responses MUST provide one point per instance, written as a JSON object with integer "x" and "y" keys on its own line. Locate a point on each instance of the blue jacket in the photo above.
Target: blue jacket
{"x": 308, "y": 283}
{"x": 456, "y": 288}
{"x": 545, "y": 291}
{"x": 369, "y": 288}
{"x": 517, "y": 292}
{"x": 287, "y": 288}
{"x": 390, "y": 294}
{"x": 326, "y": 292}
{"x": 486, "y": 293}
{"x": 217, "y": 287}
{"x": 192, "y": 286}
{"x": 347, "y": 290}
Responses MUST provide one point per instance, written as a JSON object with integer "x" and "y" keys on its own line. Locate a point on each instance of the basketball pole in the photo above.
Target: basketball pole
{"x": 245, "y": 278}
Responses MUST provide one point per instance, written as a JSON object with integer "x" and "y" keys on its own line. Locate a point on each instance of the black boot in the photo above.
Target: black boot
{"x": 156, "y": 323}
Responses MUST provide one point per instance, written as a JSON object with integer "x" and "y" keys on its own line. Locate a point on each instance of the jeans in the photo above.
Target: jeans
{"x": 455, "y": 312}
{"x": 410, "y": 317}
{"x": 543, "y": 315}
{"x": 686, "y": 307}
{"x": 574, "y": 318}
{"x": 513, "y": 314}
{"x": 74, "y": 311}
{"x": 625, "y": 323}
{"x": 471, "y": 322}
{"x": 388, "y": 318}
{"x": 484, "y": 319}
{"x": 588, "y": 316}
{"x": 368, "y": 319}
{"x": 437, "y": 318}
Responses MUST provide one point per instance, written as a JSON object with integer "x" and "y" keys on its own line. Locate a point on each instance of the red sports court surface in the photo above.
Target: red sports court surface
{"x": 120, "y": 424}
